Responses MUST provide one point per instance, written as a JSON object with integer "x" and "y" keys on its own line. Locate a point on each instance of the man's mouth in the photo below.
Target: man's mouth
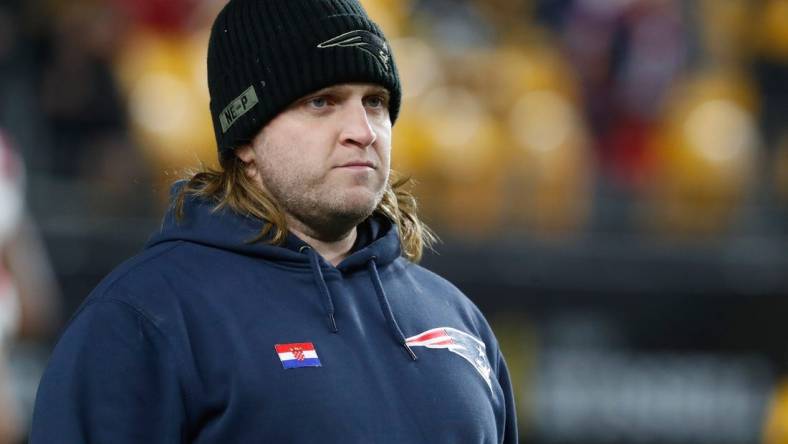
{"x": 358, "y": 164}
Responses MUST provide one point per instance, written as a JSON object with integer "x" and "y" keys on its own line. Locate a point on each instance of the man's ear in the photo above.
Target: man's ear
{"x": 246, "y": 154}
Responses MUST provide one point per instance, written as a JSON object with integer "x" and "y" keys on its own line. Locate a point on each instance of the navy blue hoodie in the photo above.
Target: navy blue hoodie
{"x": 205, "y": 337}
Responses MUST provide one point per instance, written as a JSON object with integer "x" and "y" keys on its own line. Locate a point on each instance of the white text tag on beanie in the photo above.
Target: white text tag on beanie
{"x": 363, "y": 40}
{"x": 237, "y": 108}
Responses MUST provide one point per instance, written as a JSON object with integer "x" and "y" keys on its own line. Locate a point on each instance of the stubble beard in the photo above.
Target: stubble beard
{"x": 310, "y": 203}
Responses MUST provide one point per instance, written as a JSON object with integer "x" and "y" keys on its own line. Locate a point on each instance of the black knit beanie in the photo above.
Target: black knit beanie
{"x": 263, "y": 55}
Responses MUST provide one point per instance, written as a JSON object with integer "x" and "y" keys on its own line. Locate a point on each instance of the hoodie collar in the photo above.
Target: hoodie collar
{"x": 227, "y": 230}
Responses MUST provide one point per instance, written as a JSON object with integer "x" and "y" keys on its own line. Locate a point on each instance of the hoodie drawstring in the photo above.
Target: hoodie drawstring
{"x": 386, "y": 308}
{"x": 328, "y": 302}
{"x": 321, "y": 284}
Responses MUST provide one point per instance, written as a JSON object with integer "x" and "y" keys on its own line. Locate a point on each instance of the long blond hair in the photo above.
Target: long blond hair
{"x": 230, "y": 187}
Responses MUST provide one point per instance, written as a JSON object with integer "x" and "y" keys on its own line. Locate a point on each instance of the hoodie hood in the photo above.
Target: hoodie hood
{"x": 225, "y": 229}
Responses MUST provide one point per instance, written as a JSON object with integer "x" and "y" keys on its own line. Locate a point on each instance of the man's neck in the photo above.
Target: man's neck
{"x": 332, "y": 251}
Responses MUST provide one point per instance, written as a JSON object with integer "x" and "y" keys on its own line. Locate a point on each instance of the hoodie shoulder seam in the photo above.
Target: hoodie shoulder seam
{"x": 137, "y": 310}
{"x": 116, "y": 279}
{"x": 168, "y": 345}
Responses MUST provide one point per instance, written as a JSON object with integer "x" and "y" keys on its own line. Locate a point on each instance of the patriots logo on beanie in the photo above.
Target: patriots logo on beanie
{"x": 363, "y": 40}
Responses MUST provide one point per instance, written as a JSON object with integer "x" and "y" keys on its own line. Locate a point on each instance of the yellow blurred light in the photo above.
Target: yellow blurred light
{"x": 418, "y": 64}
{"x": 458, "y": 125}
{"x": 772, "y": 31}
{"x": 544, "y": 67}
{"x": 776, "y": 423}
{"x": 160, "y": 104}
{"x": 390, "y": 15}
{"x": 463, "y": 171}
{"x": 508, "y": 72}
{"x": 506, "y": 15}
{"x": 721, "y": 131}
{"x": 552, "y": 163}
{"x": 164, "y": 79}
{"x": 542, "y": 121}
{"x": 704, "y": 156}
{"x": 411, "y": 143}
{"x": 197, "y": 54}
{"x": 725, "y": 29}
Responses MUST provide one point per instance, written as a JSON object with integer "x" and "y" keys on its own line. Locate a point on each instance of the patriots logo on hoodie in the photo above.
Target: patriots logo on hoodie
{"x": 458, "y": 342}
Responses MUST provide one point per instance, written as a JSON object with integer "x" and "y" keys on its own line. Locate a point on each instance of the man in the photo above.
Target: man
{"x": 280, "y": 301}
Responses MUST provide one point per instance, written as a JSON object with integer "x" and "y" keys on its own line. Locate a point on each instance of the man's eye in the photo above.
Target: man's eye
{"x": 318, "y": 102}
{"x": 376, "y": 102}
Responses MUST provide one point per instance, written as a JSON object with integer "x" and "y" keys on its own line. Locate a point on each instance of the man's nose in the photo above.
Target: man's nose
{"x": 356, "y": 129}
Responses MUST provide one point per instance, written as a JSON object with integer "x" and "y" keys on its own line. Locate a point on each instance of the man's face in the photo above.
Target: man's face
{"x": 326, "y": 158}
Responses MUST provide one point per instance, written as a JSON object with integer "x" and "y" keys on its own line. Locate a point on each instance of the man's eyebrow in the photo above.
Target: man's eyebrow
{"x": 379, "y": 90}
{"x": 340, "y": 89}
{"x": 322, "y": 91}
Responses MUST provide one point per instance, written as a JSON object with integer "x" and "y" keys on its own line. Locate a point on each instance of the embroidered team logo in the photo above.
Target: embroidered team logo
{"x": 363, "y": 40}
{"x": 299, "y": 354}
{"x": 470, "y": 348}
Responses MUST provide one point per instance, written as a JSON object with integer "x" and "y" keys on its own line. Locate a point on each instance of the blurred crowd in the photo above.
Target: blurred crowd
{"x": 555, "y": 117}
{"x": 660, "y": 117}
{"x": 554, "y": 120}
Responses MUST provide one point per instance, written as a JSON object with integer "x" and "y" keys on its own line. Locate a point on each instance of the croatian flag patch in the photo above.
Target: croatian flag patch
{"x": 299, "y": 354}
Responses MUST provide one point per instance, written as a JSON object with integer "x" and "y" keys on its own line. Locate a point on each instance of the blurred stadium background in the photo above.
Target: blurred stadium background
{"x": 609, "y": 178}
